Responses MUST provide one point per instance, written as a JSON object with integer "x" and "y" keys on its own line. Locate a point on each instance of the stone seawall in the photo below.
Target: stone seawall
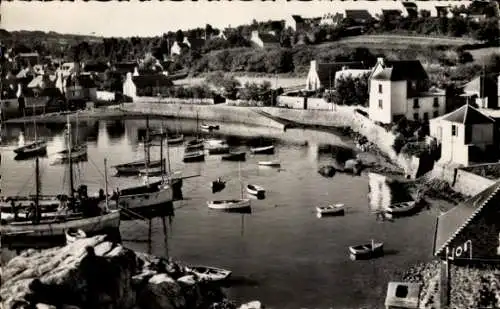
{"x": 221, "y": 113}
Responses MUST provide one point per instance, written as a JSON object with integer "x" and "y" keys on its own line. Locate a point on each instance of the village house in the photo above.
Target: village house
{"x": 295, "y": 22}
{"x": 322, "y": 75}
{"x": 411, "y": 8}
{"x": 188, "y": 43}
{"x": 359, "y": 16}
{"x": 25, "y": 59}
{"x": 80, "y": 88}
{"x": 264, "y": 40}
{"x": 482, "y": 91}
{"x": 466, "y": 136}
{"x": 400, "y": 89}
{"x": 66, "y": 69}
{"x": 331, "y": 19}
{"x": 146, "y": 85}
{"x": 41, "y": 82}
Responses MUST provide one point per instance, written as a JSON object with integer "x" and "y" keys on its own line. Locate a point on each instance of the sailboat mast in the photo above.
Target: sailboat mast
{"x": 34, "y": 122}
{"x": 106, "y": 182}
{"x": 146, "y": 148}
{"x": 70, "y": 146}
{"x": 239, "y": 177}
{"x": 162, "y": 169}
{"x": 37, "y": 189}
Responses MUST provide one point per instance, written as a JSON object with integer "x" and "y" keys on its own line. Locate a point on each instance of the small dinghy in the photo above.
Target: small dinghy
{"x": 209, "y": 127}
{"x": 73, "y": 235}
{"x": 235, "y": 156}
{"x": 330, "y": 210}
{"x": 262, "y": 150}
{"x": 207, "y": 273}
{"x": 400, "y": 208}
{"x": 175, "y": 139}
{"x": 194, "y": 156}
{"x": 366, "y": 251}
{"x": 218, "y": 185}
{"x": 255, "y": 189}
{"x": 229, "y": 205}
{"x": 217, "y": 147}
{"x": 196, "y": 144}
{"x": 274, "y": 163}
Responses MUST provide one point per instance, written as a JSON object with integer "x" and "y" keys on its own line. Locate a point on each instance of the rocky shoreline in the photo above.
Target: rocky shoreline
{"x": 96, "y": 273}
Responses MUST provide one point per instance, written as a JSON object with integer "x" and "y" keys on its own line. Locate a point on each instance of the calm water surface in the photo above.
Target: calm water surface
{"x": 281, "y": 253}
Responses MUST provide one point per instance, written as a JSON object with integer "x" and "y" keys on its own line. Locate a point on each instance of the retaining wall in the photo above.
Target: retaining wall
{"x": 341, "y": 116}
{"x": 222, "y": 113}
{"x": 298, "y": 103}
{"x": 150, "y": 100}
{"x": 470, "y": 184}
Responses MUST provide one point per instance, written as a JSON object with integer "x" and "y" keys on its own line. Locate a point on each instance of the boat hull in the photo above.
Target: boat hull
{"x": 198, "y": 157}
{"x": 134, "y": 168}
{"x": 147, "y": 204}
{"x": 32, "y": 149}
{"x": 229, "y": 205}
{"x": 258, "y": 191}
{"x": 330, "y": 211}
{"x": 401, "y": 208}
{"x": 235, "y": 157}
{"x": 28, "y": 235}
{"x": 269, "y": 163}
{"x": 366, "y": 251}
{"x": 263, "y": 150}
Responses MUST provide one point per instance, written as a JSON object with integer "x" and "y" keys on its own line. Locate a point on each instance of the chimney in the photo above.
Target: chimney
{"x": 255, "y": 34}
{"x": 380, "y": 60}
{"x": 314, "y": 65}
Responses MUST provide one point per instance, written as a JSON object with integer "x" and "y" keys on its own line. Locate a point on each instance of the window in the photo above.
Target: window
{"x": 415, "y": 103}
{"x": 380, "y": 104}
{"x": 379, "y": 88}
{"x": 436, "y": 102}
{"x": 453, "y": 130}
{"x": 401, "y": 291}
{"x": 415, "y": 116}
{"x": 435, "y": 114}
{"x": 426, "y": 116}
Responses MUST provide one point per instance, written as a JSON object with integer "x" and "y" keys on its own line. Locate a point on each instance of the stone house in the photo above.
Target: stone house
{"x": 466, "y": 136}
{"x": 400, "y": 89}
{"x": 322, "y": 75}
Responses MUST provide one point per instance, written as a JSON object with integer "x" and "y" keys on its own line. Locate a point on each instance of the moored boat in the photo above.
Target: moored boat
{"x": 401, "y": 208}
{"x": 206, "y": 273}
{"x": 77, "y": 152}
{"x": 218, "y": 185}
{"x": 235, "y": 156}
{"x": 36, "y": 148}
{"x": 217, "y": 147}
{"x": 194, "y": 156}
{"x": 273, "y": 163}
{"x": 336, "y": 209}
{"x": 73, "y": 235}
{"x": 134, "y": 168}
{"x": 366, "y": 251}
{"x": 228, "y": 205}
{"x": 175, "y": 139}
{"x": 255, "y": 189}
{"x": 263, "y": 150}
{"x": 209, "y": 127}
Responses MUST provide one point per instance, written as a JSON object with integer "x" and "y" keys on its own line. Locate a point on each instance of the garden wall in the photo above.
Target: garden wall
{"x": 298, "y": 103}
{"x": 341, "y": 116}
{"x": 173, "y": 101}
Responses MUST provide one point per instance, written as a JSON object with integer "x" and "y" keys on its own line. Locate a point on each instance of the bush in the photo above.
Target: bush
{"x": 417, "y": 149}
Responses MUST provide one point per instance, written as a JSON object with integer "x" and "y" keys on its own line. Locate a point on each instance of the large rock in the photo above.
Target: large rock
{"x": 95, "y": 273}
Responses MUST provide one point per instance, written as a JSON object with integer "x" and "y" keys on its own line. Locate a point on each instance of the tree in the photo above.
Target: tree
{"x": 208, "y": 30}
{"x": 464, "y": 57}
{"x": 179, "y": 36}
{"x": 351, "y": 90}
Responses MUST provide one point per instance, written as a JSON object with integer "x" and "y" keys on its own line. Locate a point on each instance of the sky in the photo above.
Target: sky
{"x": 134, "y": 18}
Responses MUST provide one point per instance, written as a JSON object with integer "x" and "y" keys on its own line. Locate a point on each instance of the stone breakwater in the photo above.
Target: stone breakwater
{"x": 219, "y": 112}
{"x": 96, "y": 273}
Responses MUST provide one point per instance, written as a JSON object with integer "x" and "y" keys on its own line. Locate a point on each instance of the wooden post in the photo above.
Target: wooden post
{"x": 149, "y": 236}
{"x": 445, "y": 286}
{"x": 165, "y": 235}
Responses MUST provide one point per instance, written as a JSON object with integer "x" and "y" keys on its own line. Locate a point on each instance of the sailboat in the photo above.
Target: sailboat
{"x": 77, "y": 152}
{"x": 147, "y": 200}
{"x": 135, "y": 167}
{"x": 232, "y": 204}
{"x": 197, "y": 143}
{"x": 38, "y": 147}
{"x": 80, "y": 211}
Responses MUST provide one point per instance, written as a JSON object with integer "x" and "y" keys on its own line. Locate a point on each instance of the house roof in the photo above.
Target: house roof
{"x": 468, "y": 115}
{"x": 142, "y": 81}
{"x": 326, "y": 71}
{"x": 40, "y": 79}
{"x": 83, "y": 80}
{"x": 358, "y": 14}
{"x": 451, "y": 223}
{"x": 298, "y": 18}
{"x": 401, "y": 70}
{"x": 125, "y": 67}
{"x": 196, "y": 43}
{"x": 410, "y": 5}
{"x": 269, "y": 38}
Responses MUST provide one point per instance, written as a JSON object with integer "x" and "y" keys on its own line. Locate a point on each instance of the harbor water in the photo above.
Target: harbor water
{"x": 281, "y": 253}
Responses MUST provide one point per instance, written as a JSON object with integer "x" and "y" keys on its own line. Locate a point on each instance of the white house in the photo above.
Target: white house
{"x": 399, "y": 88}
{"x": 323, "y": 75}
{"x": 66, "y": 69}
{"x": 466, "y": 136}
{"x": 264, "y": 40}
{"x": 191, "y": 43}
{"x": 145, "y": 85}
{"x": 295, "y": 22}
